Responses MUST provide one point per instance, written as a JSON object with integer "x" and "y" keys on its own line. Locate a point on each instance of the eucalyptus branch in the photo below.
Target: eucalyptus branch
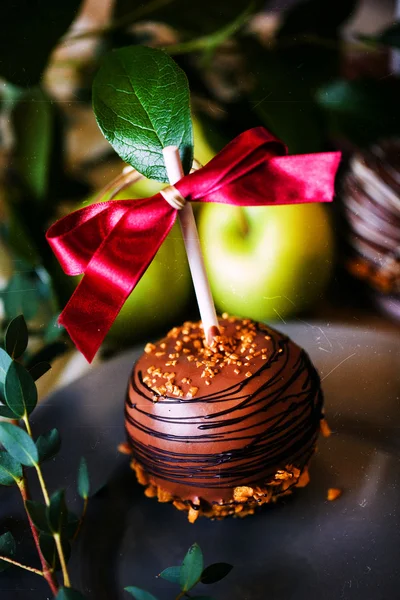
{"x": 139, "y": 13}
{"x": 56, "y": 536}
{"x": 83, "y": 515}
{"x": 47, "y": 572}
{"x": 210, "y": 42}
{"x": 39, "y": 473}
{"x": 21, "y": 566}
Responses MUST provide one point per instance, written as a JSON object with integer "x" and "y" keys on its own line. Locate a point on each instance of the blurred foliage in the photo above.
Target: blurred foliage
{"x": 290, "y": 79}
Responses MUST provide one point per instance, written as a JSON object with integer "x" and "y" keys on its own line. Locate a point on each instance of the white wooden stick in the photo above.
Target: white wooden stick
{"x": 190, "y": 235}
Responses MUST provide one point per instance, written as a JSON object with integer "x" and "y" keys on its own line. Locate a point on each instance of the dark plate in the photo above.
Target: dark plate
{"x": 302, "y": 548}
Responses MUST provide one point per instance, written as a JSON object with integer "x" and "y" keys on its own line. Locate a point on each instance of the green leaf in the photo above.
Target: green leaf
{"x": 171, "y": 574}
{"x": 32, "y": 120}
{"x": 18, "y": 443}
{"x": 20, "y": 390}
{"x": 20, "y": 297}
{"x": 38, "y": 370}
{"x": 83, "y": 480}
{"x": 388, "y": 37}
{"x": 192, "y": 568}
{"x": 202, "y": 18}
{"x": 16, "y": 337}
{"x": 8, "y": 548}
{"x": 6, "y": 412}
{"x": 139, "y": 594}
{"x": 38, "y": 27}
{"x": 71, "y": 525}
{"x": 38, "y": 514}
{"x": 215, "y": 572}
{"x": 49, "y": 550}
{"x": 141, "y": 103}
{"x": 57, "y": 513}
{"x": 48, "y": 444}
{"x": 53, "y": 330}
{"x": 5, "y": 362}
{"x": 362, "y": 109}
{"x": 69, "y": 594}
{"x": 10, "y": 469}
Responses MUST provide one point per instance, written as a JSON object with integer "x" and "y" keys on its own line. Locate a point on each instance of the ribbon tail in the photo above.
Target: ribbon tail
{"x": 114, "y": 271}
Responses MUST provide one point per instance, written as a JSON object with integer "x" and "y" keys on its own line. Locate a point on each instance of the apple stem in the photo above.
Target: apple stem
{"x": 190, "y": 236}
{"x": 243, "y": 222}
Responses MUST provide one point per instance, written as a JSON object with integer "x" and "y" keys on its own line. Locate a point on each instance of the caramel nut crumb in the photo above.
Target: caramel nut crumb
{"x": 333, "y": 494}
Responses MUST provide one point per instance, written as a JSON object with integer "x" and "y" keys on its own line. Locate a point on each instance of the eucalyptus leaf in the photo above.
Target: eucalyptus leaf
{"x": 69, "y": 594}
{"x": 10, "y": 469}
{"x": 83, "y": 480}
{"x": 32, "y": 120}
{"x": 215, "y": 572}
{"x": 38, "y": 514}
{"x": 49, "y": 550}
{"x": 5, "y": 362}
{"x": 20, "y": 297}
{"x": 18, "y": 443}
{"x": 8, "y": 549}
{"x": 71, "y": 525}
{"x": 141, "y": 102}
{"x": 388, "y": 37}
{"x": 192, "y": 568}
{"x": 57, "y": 513}
{"x": 6, "y": 412}
{"x": 48, "y": 444}
{"x": 171, "y": 574}
{"x": 20, "y": 390}
{"x": 16, "y": 337}
{"x": 53, "y": 330}
{"x": 361, "y": 109}
{"x": 39, "y": 369}
{"x": 282, "y": 101}
{"x": 28, "y": 33}
{"x": 139, "y": 594}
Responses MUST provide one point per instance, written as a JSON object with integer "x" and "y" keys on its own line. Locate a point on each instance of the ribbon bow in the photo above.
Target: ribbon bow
{"x": 114, "y": 242}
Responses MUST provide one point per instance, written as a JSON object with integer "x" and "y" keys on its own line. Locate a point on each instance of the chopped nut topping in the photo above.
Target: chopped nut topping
{"x": 333, "y": 494}
{"x": 241, "y": 347}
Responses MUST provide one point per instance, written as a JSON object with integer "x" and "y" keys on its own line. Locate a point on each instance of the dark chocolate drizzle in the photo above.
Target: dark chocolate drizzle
{"x": 264, "y": 423}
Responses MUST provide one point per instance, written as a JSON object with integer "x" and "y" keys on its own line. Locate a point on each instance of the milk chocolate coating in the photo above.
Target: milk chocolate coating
{"x": 238, "y": 430}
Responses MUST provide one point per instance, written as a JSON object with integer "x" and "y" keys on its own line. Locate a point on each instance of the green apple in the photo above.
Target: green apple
{"x": 161, "y": 296}
{"x": 266, "y": 263}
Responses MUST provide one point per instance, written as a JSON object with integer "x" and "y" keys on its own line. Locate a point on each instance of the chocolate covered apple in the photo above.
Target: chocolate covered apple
{"x": 220, "y": 429}
{"x": 222, "y": 415}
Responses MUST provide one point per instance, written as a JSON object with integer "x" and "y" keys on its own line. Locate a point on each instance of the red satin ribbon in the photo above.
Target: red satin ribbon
{"x": 113, "y": 243}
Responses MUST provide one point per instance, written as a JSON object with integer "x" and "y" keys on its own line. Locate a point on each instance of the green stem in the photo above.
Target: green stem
{"x": 211, "y": 41}
{"x": 243, "y": 222}
{"x": 85, "y": 505}
{"x": 21, "y": 566}
{"x": 63, "y": 563}
{"x": 140, "y": 12}
{"x": 56, "y": 536}
{"x": 37, "y": 466}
